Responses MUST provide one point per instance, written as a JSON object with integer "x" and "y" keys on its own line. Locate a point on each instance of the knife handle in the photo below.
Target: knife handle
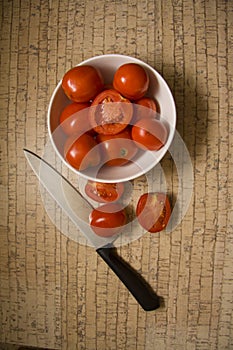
{"x": 135, "y": 283}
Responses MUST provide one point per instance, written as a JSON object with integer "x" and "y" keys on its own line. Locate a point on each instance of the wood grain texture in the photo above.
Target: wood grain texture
{"x": 57, "y": 294}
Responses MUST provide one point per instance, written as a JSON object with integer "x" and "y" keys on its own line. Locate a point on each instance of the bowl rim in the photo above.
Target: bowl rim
{"x": 170, "y": 135}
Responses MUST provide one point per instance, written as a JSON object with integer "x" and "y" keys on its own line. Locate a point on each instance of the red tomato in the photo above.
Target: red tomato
{"x": 117, "y": 149}
{"x": 82, "y": 83}
{"x": 73, "y": 122}
{"x": 149, "y": 134}
{"x": 153, "y": 211}
{"x": 108, "y": 219}
{"x": 110, "y": 113}
{"x": 104, "y": 192}
{"x": 80, "y": 153}
{"x": 145, "y": 107}
{"x": 131, "y": 80}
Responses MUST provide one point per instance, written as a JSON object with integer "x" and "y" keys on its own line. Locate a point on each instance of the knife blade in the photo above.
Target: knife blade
{"x": 77, "y": 208}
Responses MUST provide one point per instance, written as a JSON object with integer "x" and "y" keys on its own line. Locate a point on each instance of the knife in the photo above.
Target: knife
{"x": 77, "y": 208}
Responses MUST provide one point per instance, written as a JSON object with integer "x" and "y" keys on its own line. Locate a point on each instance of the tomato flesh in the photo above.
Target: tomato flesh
{"x": 149, "y": 134}
{"x": 108, "y": 220}
{"x": 117, "y": 149}
{"x": 110, "y": 113}
{"x": 153, "y": 211}
{"x": 104, "y": 192}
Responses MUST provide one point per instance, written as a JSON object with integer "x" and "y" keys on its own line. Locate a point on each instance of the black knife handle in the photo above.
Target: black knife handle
{"x": 138, "y": 287}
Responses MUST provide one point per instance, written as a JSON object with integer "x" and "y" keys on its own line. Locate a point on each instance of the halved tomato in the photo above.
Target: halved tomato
{"x": 153, "y": 211}
{"x": 108, "y": 219}
{"x": 110, "y": 112}
{"x": 104, "y": 192}
{"x": 117, "y": 149}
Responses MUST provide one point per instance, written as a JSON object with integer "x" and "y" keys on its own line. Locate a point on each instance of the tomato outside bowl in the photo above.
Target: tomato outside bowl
{"x": 144, "y": 161}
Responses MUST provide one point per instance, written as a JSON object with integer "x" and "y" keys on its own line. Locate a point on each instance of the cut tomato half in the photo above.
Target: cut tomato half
{"x": 153, "y": 211}
{"x": 104, "y": 192}
{"x": 110, "y": 112}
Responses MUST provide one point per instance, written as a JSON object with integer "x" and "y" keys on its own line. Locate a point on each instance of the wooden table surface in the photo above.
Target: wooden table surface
{"x": 55, "y": 293}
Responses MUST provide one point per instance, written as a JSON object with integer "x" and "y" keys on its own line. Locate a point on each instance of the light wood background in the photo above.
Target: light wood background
{"x": 55, "y": 293}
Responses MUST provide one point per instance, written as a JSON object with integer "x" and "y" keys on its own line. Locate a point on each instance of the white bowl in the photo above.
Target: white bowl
{"x": 144, "y": 161}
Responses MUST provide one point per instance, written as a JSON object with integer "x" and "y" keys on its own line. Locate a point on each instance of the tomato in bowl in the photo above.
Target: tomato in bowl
{"x": 121, "y": 109}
